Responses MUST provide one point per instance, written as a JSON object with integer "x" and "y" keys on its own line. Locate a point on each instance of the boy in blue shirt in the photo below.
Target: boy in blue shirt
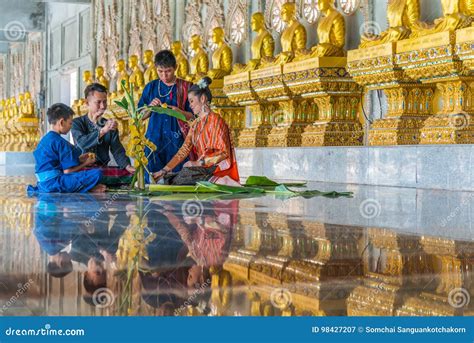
{"x": 59, "y": 164}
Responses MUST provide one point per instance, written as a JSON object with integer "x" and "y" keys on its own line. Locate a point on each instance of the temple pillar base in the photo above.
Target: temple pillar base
{"x": 255, "y": 137}
{"x": 448, "y": 129}
{"x": 286, "y": 136}
{"x": 396, "y": 131}
{"x": 340, "y": 133}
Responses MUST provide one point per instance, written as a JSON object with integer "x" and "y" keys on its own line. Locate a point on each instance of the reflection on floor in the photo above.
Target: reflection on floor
{"x": 386, "y": 251}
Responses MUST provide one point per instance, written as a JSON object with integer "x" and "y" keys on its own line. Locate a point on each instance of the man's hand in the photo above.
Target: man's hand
{"x": 110, "y": 125}
{"x": 130, "y": 169}
{"x": 158, "y": 175}
{"x": 90, "y": 159}
{"x": 192, "y": 164}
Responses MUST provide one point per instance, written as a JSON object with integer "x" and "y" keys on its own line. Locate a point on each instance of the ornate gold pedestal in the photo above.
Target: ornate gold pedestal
{"x": 238, "y": 88}
{"x": 402, "y": 266}
{"x": 329, "y": 110}
{"x": 409, "y": 103}
{"x": 433, "y": 60}
{"x": 454, "y": 283}
{"x": 28, "y": 134}
{"x": 233, "y": 114}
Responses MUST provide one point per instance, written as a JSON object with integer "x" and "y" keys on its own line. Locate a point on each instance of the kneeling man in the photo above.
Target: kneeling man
{"x": 92, "y": 133}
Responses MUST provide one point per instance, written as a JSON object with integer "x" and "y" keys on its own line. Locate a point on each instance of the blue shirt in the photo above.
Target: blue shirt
{"x": 55, "y": 153}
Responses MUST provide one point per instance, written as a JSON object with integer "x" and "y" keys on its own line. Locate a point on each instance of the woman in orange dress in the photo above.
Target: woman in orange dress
{"x": 209, "y": 136}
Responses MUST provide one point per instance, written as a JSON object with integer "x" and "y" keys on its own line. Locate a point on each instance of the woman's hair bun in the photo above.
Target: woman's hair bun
{"x": 204, "y": 82}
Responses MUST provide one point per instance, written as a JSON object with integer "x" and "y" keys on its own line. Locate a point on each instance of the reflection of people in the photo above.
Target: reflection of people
{"x": 209, "y": 136}
{"x": 92, "y": 133}
{"x": 59, "y": 164}
{"x": 165, "y": 132}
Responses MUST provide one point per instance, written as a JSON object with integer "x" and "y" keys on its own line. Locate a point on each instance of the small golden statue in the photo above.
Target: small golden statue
{"x": 263, "y": 46}
{"x": 2, "y": 110}
{"x": 136, "y": 76}
{"x": 200, "y": 62}
{"x": 293, "y": 38}
{"x": 14, "y": 107}
{"x": 182, "y": 64}
{"x": 100, "y": 77}
{"x": 453, "y": 19}
{"x": 150, "y": 72}
{"x": 87, "y": 77}
{"x": 122, "y": 75}
{"x": 27, "y": 107}
{"x": 402, "y": 15}
{"x": 222, "y": 56}
{"x": 331, "y": 31}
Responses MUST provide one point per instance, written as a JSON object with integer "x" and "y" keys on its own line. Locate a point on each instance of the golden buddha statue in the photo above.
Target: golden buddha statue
{"x": 402, "y": 15}
{"x": 199, "y": 65}
{"x": 150, "y": 72}
{"x": 14, "y": 107}
{"x": 2, "y": 110}
{"x": 182, "y": 64}
{"x": 100, "y": 77}
{"x": 263, "y": 46}
{"x": 453, "y": 19}
{"x": 293, "y": 38}
{"x": 467, "y": 7}
{"x": 27, "y": 107}
{"x": 122, "y": 75}
{"x": 136, "y": 76}
{"x": 222, "y": 56}
{"x": 331, "y": 31}
{"x": 87, "y": 77}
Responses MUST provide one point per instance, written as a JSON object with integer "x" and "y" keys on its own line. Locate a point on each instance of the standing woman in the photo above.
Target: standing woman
{"x": 166, "y": 132}
{"x": 209, "y": 137}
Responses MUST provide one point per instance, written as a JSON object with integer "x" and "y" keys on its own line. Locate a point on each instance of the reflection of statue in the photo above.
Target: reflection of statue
{"x": 452, "y": 19}
{"x": 100, "y": 77}
{"x": 87, "y": 77}
{"x": 293, "y": 38}
{"x": 200, "y": 62}
{"x": 27, "y": 107}
{"x": 182, "y": 65}
{"x": 401, "y": 15}
{"x": 222, "y": 56}
{"x": 331, "y": 31}
{"x": 150, "y": 72}
{"x": 136, "y": 77}
{"x": 263, "y": 46}
{"x": 122, "y": 75}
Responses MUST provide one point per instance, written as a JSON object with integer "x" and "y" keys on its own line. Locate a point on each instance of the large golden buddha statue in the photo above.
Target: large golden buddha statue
{"x": 199, "y": 65}
{"x": 150, "y": 72}
{"x": 222, "y": 56}
{"x": 453, "y": 19}
{"x": 331, "y": 31}
{"x": 100, "y": 77}
{"x": 182, "y": 64}
{"x": 402, "y": 15}
{"x": 136, "y": 76}
{"x": 27, "y": 107}
{"x": 263, "y": 46}
{"x": 293, "y": 38}
{"x": 87, "y": 77}
{"x": 122, "y": 75}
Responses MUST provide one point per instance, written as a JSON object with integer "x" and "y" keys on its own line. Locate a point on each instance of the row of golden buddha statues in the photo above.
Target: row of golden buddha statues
{"x": 19, "y": 124}
{"x": 316, "y": 97}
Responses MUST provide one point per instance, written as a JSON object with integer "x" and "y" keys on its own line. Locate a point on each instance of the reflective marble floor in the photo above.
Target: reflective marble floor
{"x": 385, "y": 251}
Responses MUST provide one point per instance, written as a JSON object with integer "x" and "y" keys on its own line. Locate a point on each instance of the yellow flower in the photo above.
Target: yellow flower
{"x": 164, "y": 105}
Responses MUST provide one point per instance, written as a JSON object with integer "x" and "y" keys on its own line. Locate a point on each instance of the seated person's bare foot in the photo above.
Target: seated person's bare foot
{"x": 100, "y": 188}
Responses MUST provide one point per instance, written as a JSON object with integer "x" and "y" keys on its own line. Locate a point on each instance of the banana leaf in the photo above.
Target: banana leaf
{"x": 168, "y": 111}
{"x": 229, "y": 189}
{"x": 178, "y": 189}
{"x": 285, "y": 191}
{"x": 263, "y": 181}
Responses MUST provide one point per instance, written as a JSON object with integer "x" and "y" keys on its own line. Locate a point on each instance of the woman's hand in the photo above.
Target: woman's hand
{"x": 130, "y": 169}
{"x": 159, "y": 175}
{"x": 87, "y": 158}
